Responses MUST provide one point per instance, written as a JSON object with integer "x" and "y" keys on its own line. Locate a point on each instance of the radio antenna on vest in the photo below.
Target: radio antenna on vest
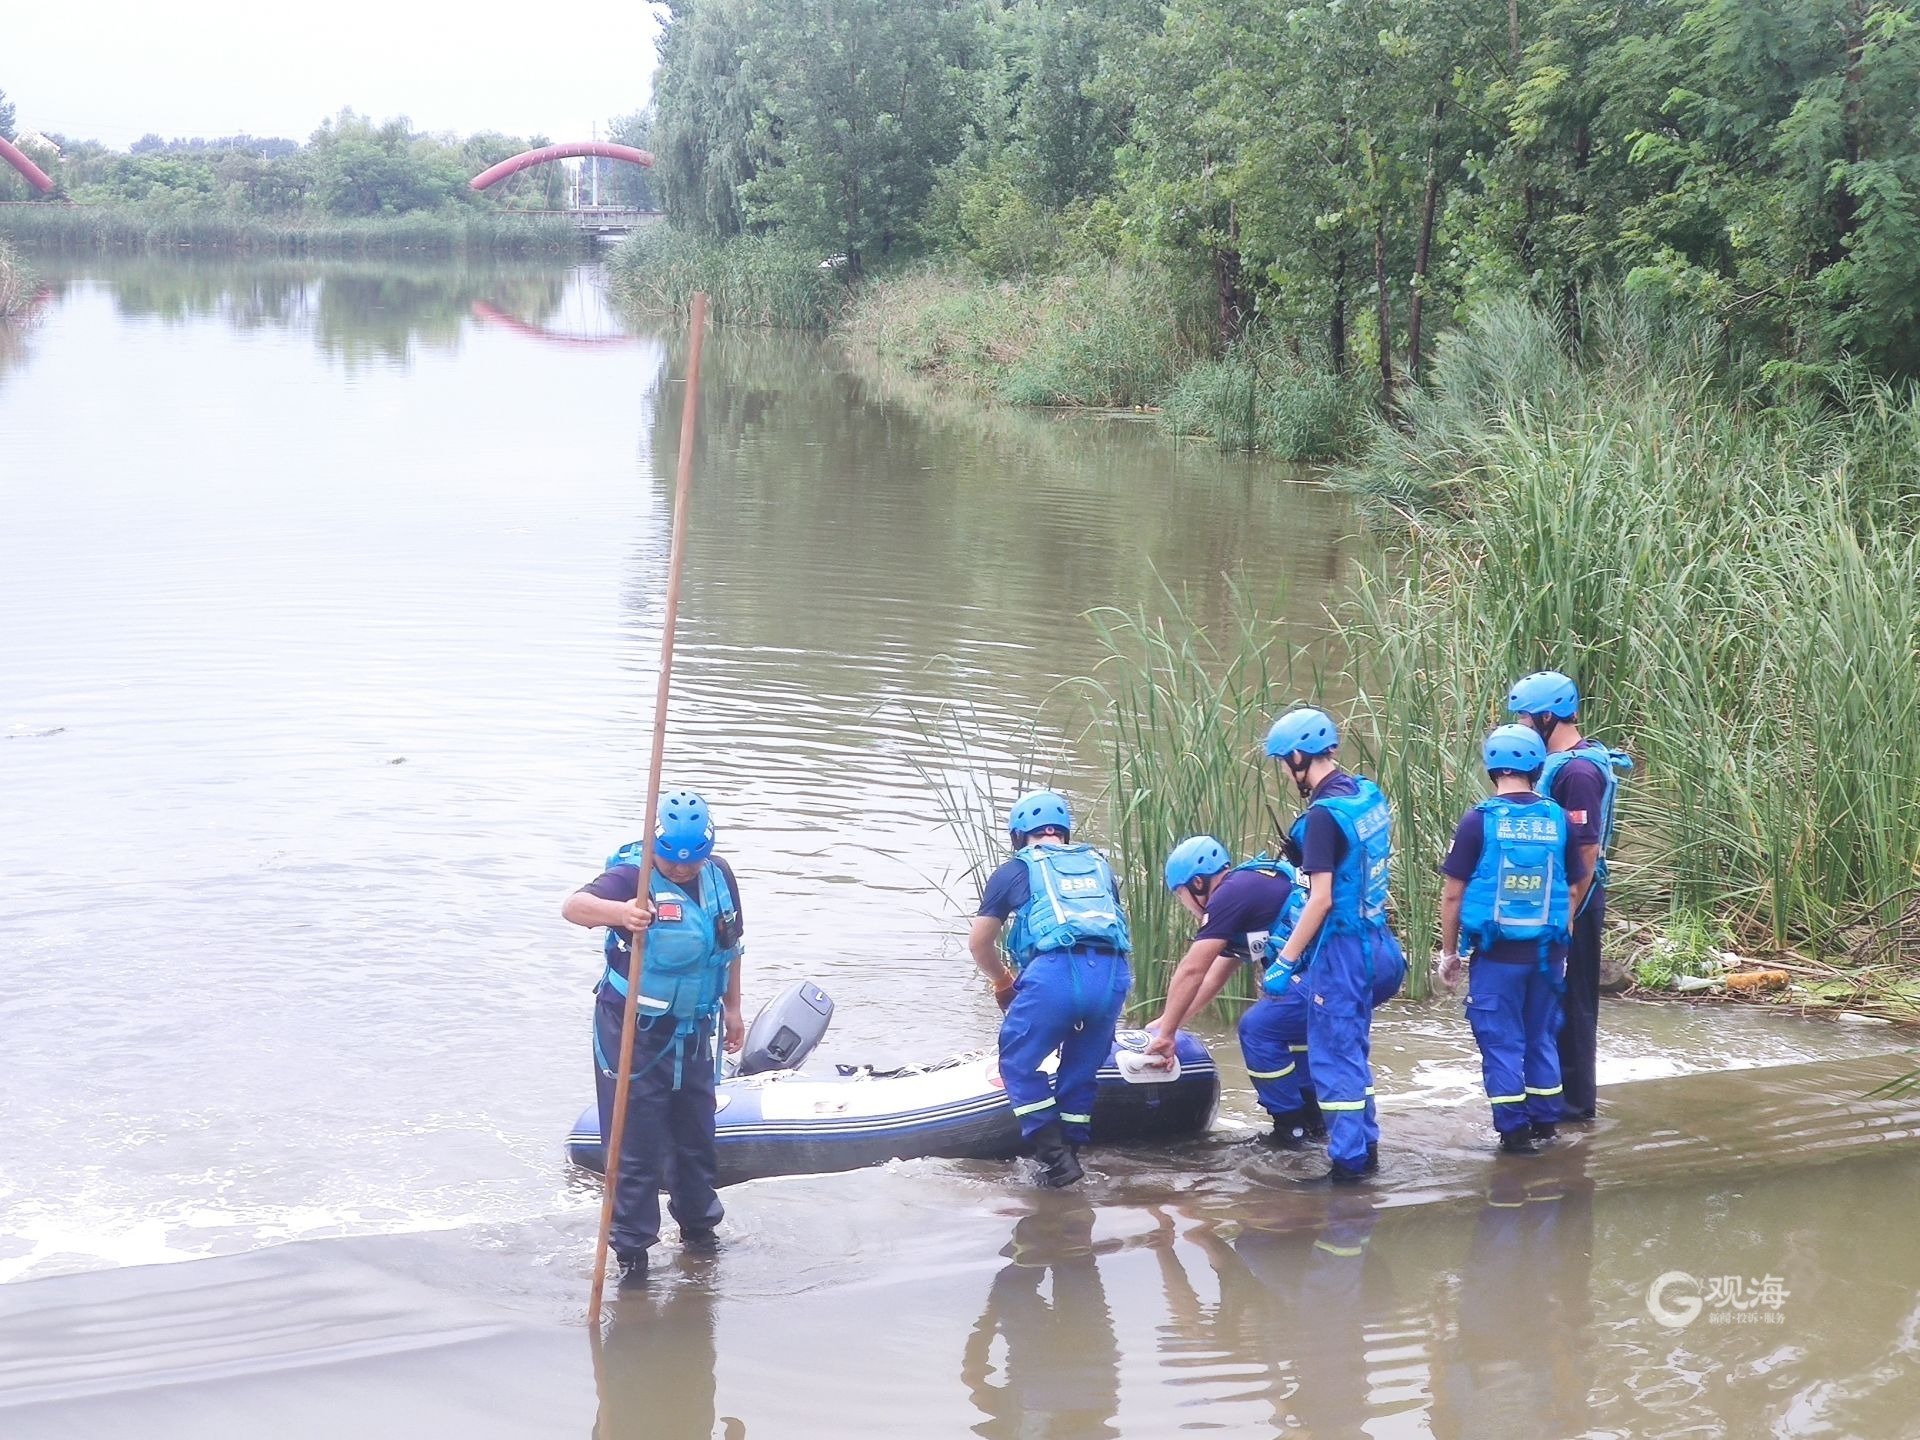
{"x": 682, "y": 491}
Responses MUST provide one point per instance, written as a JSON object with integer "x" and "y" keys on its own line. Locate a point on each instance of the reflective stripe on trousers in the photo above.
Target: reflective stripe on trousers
{"x": 1070, "y": 1001}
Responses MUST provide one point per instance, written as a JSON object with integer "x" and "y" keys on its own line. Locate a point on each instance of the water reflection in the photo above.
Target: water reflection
{"x": 1520, "y": 1356}
{"x": 359, "y": 313}
{"x": 655, "y": 1365}
{"x": 1056, "y": 1372}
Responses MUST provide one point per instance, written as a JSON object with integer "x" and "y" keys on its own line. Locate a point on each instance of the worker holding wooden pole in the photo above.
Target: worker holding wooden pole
{"x": 672, "y": 911}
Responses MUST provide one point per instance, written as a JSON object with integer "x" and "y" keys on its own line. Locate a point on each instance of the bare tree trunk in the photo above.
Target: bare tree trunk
{"x": 1230, "y": 287}
{"x": 1337, "y": 323}
{"x": 1383, "y": 308}
{"x": 1422, "y": 251}
{"x": 1513, "y": 33}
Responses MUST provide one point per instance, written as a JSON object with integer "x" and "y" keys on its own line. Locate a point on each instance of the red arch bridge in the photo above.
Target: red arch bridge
{"x": 601, "y": 219}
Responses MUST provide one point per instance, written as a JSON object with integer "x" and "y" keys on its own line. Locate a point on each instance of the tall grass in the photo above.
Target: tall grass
{"x": 87, "y": 228}
{"x": 16, "y": 281}
{"x": 750, "y": 280}
{"x": 1180, "y": 714}
{"x": 1259, "y": 398}
{"x": 1092, "y": 336}
{"x": 1737, "y": 590}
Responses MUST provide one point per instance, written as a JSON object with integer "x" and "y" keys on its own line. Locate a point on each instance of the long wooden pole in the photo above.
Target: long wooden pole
{"x": 636, "y": 953}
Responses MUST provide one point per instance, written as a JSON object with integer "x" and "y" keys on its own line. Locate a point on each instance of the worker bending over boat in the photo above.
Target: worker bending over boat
{"x": 1064, "y": 981}
{"x": 1246, "y": 913}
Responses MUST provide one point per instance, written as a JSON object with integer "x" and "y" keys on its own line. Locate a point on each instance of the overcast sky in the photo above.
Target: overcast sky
{"x": 112, "y": 70}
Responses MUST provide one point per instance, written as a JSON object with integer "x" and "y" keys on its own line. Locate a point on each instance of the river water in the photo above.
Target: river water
{"x": 329, "y": 602}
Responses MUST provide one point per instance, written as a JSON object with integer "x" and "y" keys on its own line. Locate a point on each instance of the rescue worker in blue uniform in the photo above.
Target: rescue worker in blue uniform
{"x": 689, "y": 986}
{"x": 1341, "y": 945}
{"x": 1505, "y": 899}
{"x": 1065, "y": 979}
{"x": 1246, "y": 912}
{"x": 1583, "y": 777}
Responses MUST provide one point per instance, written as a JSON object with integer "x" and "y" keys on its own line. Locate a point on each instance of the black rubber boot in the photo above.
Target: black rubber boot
{"x": 1316, "y": 1122}
{"x": 701, "y": 1240}
{"x": 1292, "y": 1130}
{"x": 1518, "y": 1142}
{"x": 1059, "y": 1166}
{"x": 1543, "y": 1131}
{"x": 632, "y": 1265}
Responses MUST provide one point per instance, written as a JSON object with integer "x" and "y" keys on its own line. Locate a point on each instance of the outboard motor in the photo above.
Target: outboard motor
{"x": 787, "y": 1028}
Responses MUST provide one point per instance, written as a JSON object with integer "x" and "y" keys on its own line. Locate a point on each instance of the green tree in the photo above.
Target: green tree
{"x": 864, "y": 100}
{"x": 6, "y": 117}
{"x": 706, "y": 115}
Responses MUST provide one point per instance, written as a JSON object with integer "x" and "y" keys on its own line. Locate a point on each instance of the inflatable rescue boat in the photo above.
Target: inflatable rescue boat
{"x": 776, "y": 1118}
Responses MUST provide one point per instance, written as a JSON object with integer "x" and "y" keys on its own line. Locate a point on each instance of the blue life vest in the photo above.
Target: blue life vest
{"x": 683, "y": 971}
{"x": 1072, "y": 901}
{"x": 1613, "y": 764}
{"x": 1519, "y": 889}
{"x": 1360, "y": 881}
{"x": 1276, "y": 974}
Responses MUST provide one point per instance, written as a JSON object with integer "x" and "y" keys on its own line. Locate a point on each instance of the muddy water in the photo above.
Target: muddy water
{"x": 328, "y": 600}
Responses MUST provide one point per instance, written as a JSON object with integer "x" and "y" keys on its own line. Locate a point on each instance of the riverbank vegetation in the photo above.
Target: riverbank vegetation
{"x": 1336, "y": 184}
{"x": 16, "y": 281}
{"x": 1733, "y": 582}
{"x": 353, "y": 187}
{"x": 759, "y": 280}
{"x": 81, "y": 229}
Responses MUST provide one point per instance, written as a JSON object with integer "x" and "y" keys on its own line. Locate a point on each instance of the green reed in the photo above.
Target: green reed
{"x": 749, "y": 280}
{"x": 16, "y": 281}
{"x": 87, "y": 228}
{"x": 1736, "y": 588}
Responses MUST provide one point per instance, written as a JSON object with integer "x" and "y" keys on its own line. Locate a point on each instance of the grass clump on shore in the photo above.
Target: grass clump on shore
{"x": 1257, "y": 399}
{"x": 1092, "y": 336}
{"x": 16, "y": 281}
{"x": 1734, "y": 587}
{"x": 90, "y": 228}
{"x": 749, "y": 280}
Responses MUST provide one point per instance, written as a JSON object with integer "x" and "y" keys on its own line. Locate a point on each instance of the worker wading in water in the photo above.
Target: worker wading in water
{"x": 689, "y": 987}
{"x": 1064, "y": 981}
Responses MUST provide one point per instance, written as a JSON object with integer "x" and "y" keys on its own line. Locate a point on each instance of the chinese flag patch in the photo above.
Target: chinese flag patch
{"x": 667, "y": 910}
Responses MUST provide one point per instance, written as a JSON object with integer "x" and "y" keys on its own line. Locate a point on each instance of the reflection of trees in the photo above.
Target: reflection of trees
{"x": 356, "y": 310}
{"x": 836, "y": 517}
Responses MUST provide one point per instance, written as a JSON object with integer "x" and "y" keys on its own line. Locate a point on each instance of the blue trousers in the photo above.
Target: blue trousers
{"x": 1340, "y": 978}
{"x": 1273, "y": 1038}
{"x": 1515, "y": 1014}
{"x": 668, "y": 1139}
{"x": 1070, "y": 1001}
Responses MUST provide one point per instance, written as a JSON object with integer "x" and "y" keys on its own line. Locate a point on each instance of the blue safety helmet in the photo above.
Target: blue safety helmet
{"x": 683, "y": 828}
{"x": 1518, "y": 748}
{"x": 1545, "y": 692}
{"x": 1305, "y": 729}
{"x": 1041, "y": 810}
{"x": 1193, "y": 857}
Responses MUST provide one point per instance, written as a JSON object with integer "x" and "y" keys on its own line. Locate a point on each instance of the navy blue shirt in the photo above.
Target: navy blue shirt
{"x": 1581, "y": 790}
{"x": 622, "y": 883}
{"x": 1469, "y": 839}
{"x": 1242, "y": 910}
{"x": 1008, "y": 889}
{"x": 1324, "y": 845}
